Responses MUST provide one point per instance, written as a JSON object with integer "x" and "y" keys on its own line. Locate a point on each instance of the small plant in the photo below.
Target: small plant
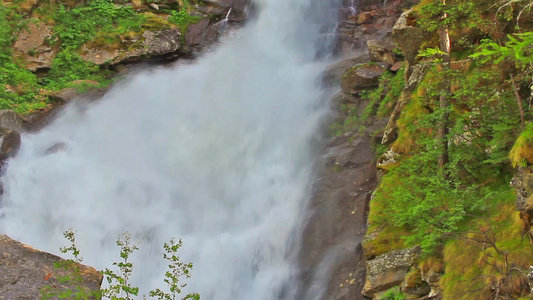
{"x": 75, "y": 278}
{"x": 393, "y": 294}
{"x": 120, "y": 287}
{"x": 119, "y": 283}
{"x": 172, "y": 277}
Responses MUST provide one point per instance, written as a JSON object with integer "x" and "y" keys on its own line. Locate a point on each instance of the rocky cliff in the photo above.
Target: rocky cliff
{"x": 444, "y": 222}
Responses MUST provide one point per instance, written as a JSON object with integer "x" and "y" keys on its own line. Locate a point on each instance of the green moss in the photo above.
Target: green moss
{"x": 469, "y": 259}
{"x": 386, "y": 240}
{"x": 522, "y": 151}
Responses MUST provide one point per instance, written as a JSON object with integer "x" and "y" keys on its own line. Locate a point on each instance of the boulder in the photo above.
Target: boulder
{"x": 414, "y": 285}
{"x": 154, "y": 43}
{"x": 360, "y": 77}
{"x": 31, "y": 46}
{"x": 388, "y": 270}
{"x": 381, "y": 51}
{"x": 12, "y": 120}
{"x": 25, "y": 272}
{"x": 64, "y": 95}
{"x": 409, "y": 38}
{"x": 364, "y": 17}
{"x": 9, "y": 143}
{"x": 333, "y": 73}
{"x": 162, "y": 42}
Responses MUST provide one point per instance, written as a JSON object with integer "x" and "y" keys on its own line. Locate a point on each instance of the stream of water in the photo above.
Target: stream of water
{"x": 219, "y": 153}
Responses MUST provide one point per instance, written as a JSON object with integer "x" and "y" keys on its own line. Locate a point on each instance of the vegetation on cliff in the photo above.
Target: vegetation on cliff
{"x": 464, "y": 127}
{"x": 74, "y": 28}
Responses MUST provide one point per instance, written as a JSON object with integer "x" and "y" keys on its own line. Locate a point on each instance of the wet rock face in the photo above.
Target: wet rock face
{"x": 222, "y": 7}
{"x": 388, "y": 270}
{"x": 25, "y": 271}
{"x": 9, "y": 143}
{"x": 200, "y": 34}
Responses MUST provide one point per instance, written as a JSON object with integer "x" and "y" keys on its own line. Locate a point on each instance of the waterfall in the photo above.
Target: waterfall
{"x": 219, "y": 153}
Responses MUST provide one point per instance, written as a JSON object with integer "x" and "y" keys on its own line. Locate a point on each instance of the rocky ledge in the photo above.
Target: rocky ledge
{"x": 25, "y": 273}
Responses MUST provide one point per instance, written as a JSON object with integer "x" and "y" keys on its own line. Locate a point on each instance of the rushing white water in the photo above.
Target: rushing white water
{"x": 218, "y": 153}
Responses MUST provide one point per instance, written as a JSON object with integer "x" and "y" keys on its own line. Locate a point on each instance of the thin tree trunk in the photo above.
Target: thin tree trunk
{"x": 442, "y": 133}
{"x": 518, "y": 101}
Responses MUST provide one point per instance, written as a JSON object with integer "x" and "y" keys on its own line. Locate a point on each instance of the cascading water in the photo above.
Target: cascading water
{"x": 218, "y": 153}
{"x": 352, "y": 6}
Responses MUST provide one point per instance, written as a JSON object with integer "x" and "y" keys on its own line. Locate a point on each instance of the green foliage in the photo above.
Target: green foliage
{"x": 98, "y": 18}
{"x": 381, "y": 99}
{"x": 68, "y": 67}
{"x": 414, "y": 194}
{"x": 380, "y": 103}
{"x": 119, "y": 283}
{"x": 182, "y": 18}
{"x": 460, "y": 14}
{"x": 393, "y": 294}
{"x": 18, "y": 87}
{"x": 518, "y": 49}
{"x": 467, "y": 207}
{"x": 503, "y": 261}
{"x": 430, "y": 52}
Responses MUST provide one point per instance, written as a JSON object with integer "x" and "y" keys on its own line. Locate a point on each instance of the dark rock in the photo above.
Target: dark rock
{"x": 57, "y": 147}
{"x": 360, "y": 77}
{"x": 333, "y": 73}
{"x": 10, "y": 143}
{"x": 332, "y": 235}
{"x": 200, "y": 34}
{"x": 364, "y": 17}
{"x": 222, "y": 7}
{"x": 25, "y": 271}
